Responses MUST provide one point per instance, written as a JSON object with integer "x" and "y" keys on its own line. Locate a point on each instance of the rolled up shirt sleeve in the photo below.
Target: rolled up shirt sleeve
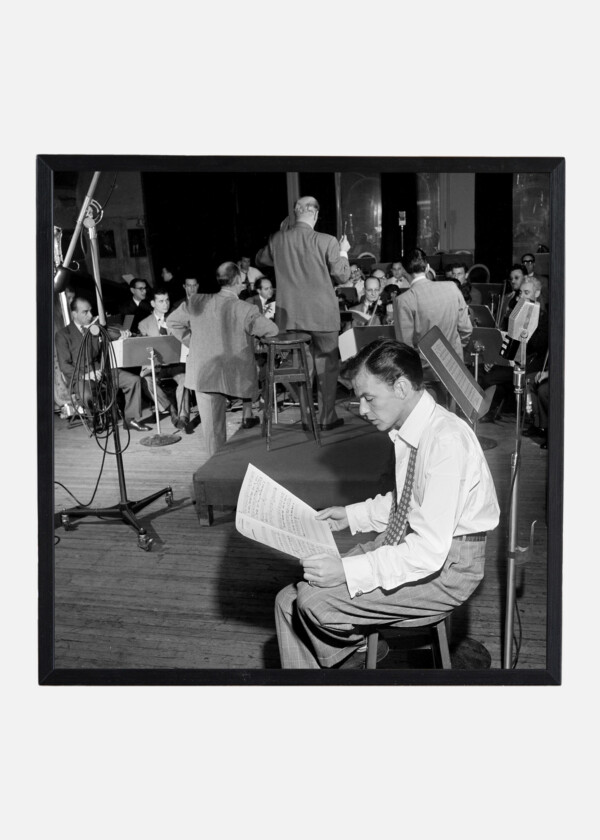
{"x": 432, "y": 520}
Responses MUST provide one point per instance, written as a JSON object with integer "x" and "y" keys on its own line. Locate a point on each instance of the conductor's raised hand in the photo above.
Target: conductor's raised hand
{"x": 336, "y": 517}
{"x": 323, "y": 570}
{"x": 344, "y": 243}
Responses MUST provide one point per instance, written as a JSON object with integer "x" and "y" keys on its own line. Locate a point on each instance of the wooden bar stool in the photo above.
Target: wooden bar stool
{"x": 297, "y": 374}
{"x": 438, "y": 638}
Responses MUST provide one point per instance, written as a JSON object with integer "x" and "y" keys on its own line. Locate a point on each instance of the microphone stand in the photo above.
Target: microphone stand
{"x": 484, "y": 442}
{"x": 62, "y": 273}
{"x": 513, "y": 548}
{"x": 124, "y": 509}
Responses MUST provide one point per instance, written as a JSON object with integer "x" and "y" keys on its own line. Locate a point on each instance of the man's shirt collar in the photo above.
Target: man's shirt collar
{"x": 417, "y": 421}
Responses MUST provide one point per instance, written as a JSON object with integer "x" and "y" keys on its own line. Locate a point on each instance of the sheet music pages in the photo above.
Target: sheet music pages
{"x": 270, "y": 514}
{"x": 457, "y": 374}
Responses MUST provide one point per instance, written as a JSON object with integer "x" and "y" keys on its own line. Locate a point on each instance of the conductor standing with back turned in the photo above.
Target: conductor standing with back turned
{"x": 305, "y": 264}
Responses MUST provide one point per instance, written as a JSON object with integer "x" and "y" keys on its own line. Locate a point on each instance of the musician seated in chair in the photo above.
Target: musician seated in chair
{"x": 502, "y": 376}
{"x": 369, "y": 311}
{"x": 430, "y": 553}
{"x": 155, "y": 325}
{"x": 68, "y": 342}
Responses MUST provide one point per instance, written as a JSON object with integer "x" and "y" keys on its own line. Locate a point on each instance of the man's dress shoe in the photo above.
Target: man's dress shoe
{"x": 326, "y": 427}
{"x": 249, "y": 422}
{"x": 357, "y": 659}
{"x": 137, "y": 425}
{"x": 534, "y": 431}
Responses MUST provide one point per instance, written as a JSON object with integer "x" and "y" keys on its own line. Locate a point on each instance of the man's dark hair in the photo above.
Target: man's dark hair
{"x": 158, "y": 290}
{"x": 528, "y": 255}
{"x": 75, "y": 301}
{"x": 259, "y": 280}
{"x": 416, "y": 263}
{"x": 227, "y": 273}
{"x": 516, "y": 267}
{"x": 132, "y": 283}
{"x": 387, "y": 359}
{"x": 461, "y": 265}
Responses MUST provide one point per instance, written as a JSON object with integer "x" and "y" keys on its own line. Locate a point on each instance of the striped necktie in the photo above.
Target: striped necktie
{"x": 398, "y": 519}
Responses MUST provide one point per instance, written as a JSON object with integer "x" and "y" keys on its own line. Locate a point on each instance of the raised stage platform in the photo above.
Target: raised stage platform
{"x": 353, "y": 463}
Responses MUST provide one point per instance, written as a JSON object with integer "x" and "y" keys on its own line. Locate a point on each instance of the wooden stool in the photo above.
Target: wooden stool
{"x": 297, "y": 374}
{"x": 437, "y": 629}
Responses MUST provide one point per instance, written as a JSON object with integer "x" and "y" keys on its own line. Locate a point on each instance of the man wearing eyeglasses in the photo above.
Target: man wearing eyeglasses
{"x": 138, "y": 306}
{"x": 528, "y": 262}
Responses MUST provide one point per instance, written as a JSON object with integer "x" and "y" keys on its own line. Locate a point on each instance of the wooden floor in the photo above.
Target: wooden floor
{"x": 203, "y": 596}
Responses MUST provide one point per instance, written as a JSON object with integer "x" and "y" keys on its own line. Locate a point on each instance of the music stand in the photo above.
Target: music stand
{"x": 454, "y": 375}
{"x": 469, "y": 396}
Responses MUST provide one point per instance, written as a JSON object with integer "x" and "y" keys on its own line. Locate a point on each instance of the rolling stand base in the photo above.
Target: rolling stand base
{"x": 124, "y": 510}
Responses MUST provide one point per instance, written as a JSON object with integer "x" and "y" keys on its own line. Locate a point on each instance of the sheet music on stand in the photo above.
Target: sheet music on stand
{"x": 454, "y": 375}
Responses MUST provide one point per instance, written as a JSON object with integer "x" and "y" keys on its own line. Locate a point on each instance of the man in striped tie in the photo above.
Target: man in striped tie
{"x": 430, "y": 553}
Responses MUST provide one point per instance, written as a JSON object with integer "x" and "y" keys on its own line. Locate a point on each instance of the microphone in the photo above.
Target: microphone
{"x": 522, "y": 323}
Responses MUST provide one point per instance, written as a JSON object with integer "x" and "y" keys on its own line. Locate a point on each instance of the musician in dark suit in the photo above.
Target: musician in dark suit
{"x": 68, "y": 341}
{"x": 138, "y": 306}
{"x": 535, "y": 355}
{"x": 264, "y": 297}
{"x": 155, "y": 325}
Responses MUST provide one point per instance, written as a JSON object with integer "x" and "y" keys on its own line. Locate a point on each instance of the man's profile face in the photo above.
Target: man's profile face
{"x": 460, "y": 274}
{"x": 82, "y": 314}
{"x": 372, "y": 288}
{"x": 161, "y": 304}
{"x": 266, "y": 289}
{"x": 516, "y": 278}
{"x": 379, "y": 403}
{"x": 191, "y": 287}
{"x": 139, "y": 291}
{"x": 528, "y": 291}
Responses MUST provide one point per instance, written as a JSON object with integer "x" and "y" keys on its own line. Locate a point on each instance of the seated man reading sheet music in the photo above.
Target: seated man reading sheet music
{"x": 430, "y": 553}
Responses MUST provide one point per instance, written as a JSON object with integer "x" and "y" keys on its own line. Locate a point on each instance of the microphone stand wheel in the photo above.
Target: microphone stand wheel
{"x": 144, "y": 541}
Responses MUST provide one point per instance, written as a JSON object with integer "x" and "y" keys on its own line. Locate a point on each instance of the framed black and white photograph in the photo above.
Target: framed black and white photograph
{"x": 137, "y": 242}
{"x": 106, "y": 244}
{"x": 147, "y": 572}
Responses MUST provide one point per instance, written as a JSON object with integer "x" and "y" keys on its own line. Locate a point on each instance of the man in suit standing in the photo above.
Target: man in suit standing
{"x": 221, "y": 360}
{"x": 155, "y": 325}
{"x": 305, "y": 264}
{"x": 427, "y": 304}
{"x": 68, "y": 343}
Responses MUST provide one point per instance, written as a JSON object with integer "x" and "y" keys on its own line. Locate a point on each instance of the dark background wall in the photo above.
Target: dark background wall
{"x": 197, "y": 220}
{"x": 494, "y": 222}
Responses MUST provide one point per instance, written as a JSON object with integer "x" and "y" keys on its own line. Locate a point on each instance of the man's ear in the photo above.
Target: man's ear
{"x": 401, "y": 387}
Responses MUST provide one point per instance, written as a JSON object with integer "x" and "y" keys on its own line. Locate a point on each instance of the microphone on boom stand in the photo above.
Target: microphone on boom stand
{"x": 522, "y": 323}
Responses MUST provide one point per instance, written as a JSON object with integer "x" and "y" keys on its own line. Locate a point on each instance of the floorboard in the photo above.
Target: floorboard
{"x": 203, "y": 597}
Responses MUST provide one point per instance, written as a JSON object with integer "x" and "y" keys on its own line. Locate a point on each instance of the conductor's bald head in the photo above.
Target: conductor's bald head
{"x": 306, "y": 210}
{"x": 228, "y": 274}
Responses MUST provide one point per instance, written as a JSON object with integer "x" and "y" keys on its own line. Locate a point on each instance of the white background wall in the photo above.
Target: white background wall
{"x": 222, "y": 762}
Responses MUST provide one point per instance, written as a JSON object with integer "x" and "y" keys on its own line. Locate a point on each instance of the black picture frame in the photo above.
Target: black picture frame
{"x": 48, "y": 674}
